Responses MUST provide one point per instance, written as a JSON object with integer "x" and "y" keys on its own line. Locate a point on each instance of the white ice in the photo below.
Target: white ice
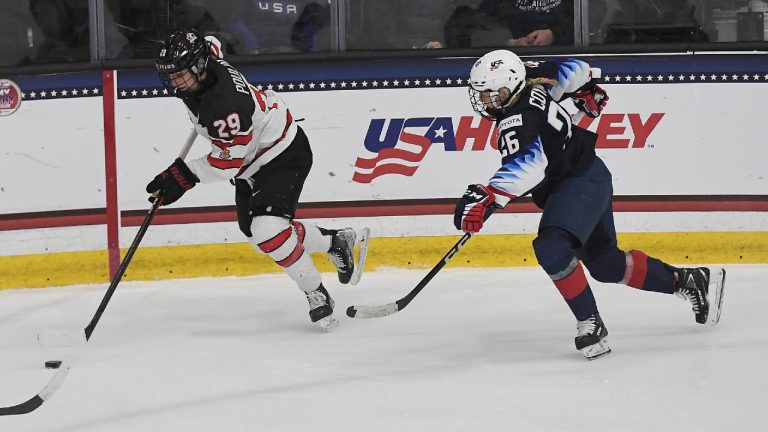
{"x": 477, "y": 350}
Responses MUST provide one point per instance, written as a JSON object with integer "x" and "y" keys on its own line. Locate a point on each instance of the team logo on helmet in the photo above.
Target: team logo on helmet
{"x": 10, "y": 97}
{"x": 496, "y": 64}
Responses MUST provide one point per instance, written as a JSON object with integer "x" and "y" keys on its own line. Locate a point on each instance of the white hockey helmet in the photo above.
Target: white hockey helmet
{"x": 492, "y": 72}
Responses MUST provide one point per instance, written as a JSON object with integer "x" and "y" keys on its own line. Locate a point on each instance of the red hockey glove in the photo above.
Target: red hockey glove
{"x": 472, "y": 207}
{"x": 591, "y": 100}
{"x": 172, "y": 182}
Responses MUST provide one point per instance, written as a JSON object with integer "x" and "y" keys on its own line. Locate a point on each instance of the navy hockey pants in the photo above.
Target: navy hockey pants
{"x": 577, "y": 227}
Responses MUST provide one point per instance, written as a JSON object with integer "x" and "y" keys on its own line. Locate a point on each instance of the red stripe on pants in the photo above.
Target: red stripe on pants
{"x": 275, "y": 242}
{"x": 573, "y": 284}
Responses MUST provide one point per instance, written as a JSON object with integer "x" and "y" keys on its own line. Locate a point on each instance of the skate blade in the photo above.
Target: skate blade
{"x": 328, "y": 324}
{"x": 594, "y": 352}
{"x": 362, "y": 254}
{"x": 716, "y": 297}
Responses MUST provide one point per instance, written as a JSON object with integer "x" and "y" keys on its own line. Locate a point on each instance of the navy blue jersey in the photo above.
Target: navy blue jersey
{"x": 538, "y": 143}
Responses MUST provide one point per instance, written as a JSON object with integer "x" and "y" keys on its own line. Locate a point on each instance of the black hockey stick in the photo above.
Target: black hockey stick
{"x": 63, "y": 338}
{"x": 392, "y": 308}
{"x": 35, "y": 401}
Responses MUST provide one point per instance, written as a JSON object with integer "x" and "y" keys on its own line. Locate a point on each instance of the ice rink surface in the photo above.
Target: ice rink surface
{"x": 477, "y": 350}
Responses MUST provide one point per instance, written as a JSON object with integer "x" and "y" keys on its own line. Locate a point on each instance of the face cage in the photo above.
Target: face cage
{"x": 167, "y": 81}
{"x": 491, "y": 113}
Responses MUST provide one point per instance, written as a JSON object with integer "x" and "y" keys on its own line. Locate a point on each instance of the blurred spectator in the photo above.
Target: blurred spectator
{"x": 533, "y": 22}
{"x": 528, "y": 22}
{"x": 256, "y": 27}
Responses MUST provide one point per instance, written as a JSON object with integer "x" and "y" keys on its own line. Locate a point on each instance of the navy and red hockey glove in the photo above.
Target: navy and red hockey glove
{"x": 172, "y": 182}
{"x": 473, "y": 208}
{"x": 590, "y": 99}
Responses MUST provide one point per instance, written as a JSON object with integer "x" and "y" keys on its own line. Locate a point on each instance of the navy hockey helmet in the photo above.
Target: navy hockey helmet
{"x": 183, "y": 50}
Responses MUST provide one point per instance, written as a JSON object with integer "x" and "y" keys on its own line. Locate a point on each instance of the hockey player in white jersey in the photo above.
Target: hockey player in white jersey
{"x": 544, "y": 154}
{"x": 257, "y": 146}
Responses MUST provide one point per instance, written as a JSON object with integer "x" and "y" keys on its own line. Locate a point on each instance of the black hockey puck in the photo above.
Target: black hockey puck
{"x": 52, "y": 364}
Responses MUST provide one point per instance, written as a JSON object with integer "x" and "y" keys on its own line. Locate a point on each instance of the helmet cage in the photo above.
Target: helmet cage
{"x": 493, "y": 72}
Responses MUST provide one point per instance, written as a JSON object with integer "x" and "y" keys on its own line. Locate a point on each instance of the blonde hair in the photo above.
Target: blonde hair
{"x": 530, "y": 82}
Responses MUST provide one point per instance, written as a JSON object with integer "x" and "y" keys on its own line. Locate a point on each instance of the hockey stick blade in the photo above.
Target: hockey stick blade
{"x": 61, "y": 338}
{"x": 365, "y": 312}
{"x": 362, "y": 254}
{"x": 37, "y": 400}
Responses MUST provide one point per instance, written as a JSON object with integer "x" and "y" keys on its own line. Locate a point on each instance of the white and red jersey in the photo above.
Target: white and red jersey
{"x": 247, "y": 127}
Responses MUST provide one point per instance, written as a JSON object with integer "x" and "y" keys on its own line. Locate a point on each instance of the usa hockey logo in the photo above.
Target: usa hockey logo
{"x": 401, "y": 144}
{"x": 496, "y": 64}
{"x": 10, "y": 97}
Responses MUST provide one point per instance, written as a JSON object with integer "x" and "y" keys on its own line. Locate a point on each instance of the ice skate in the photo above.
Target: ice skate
{"x": 704, "y": 292}
{"x": 349, "y": 267}
{"x": 591, "y": 337}
{"x": 321, "y": 308}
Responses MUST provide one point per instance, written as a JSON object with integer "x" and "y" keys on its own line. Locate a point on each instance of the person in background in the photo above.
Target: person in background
{"x": 532, "y": 22}
{"x": 257, "y": 146}
{"x": 545, "y": 155}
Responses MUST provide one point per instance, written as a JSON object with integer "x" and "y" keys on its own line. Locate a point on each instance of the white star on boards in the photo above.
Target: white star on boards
{"x": 154, "y": 92}
{"x": 354, "y": 84}
{"x": 438, "y": 81}
{"x": 85, "y": 92}
{"x": 724, "y": 76}
{"x": 301, "y": 86}
{"x": 682, "y": 77}
{"x": 703, "y": 77}
{"x": 322, "y": 85}
{"x": 417, "y": 82}
{"x": 333, "y": 84}
{"x": 343, "y": 84}
{"x": 639, "y": 78}
{"x": 440, "y": 133}
{"x": 385, "y": 83}
{"x": 746, "y": 77}
{"x": 458, "y": 80}
{"x": 165, "y": 91}
{"x": 144, "y": 92}
{"x": 660, "y": 78}
{"x": 365, "y": 83}
{"x": 396, "y": 83}
{"x": 43, "y": 94}
{"x": 280, "y": 86}
{"x": 375, "y": 83}
{"x": 448, "y": 81}
{"x": 270, "y": 87}
{"x": 74, "y": 92}
{"x": 756, "y": 76}
{"x": 53, "y": 93}
{"x": 290, "y": 86}
{"x": 123, "y": 93}
{"x": 607, "y": 79}
{"x": 260, "y": 87}
{"x": 311, "y": 85}
{"x": 427, "y": 82}
{"x": 735, "y": 77}
{"x": 714, "y": 77}
{"x": 64, "y": 92}
{"x": 33, "y": 94}
{"x": 406, "y": 82}
{"x": 95, "y": 90}
{"x": 134, "y": 92}
{"x": 671, "y": 77}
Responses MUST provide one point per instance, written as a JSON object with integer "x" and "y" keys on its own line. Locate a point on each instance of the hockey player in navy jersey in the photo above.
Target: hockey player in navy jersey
{"x": 257, "y": 146}
{"x": 544, "y": 154}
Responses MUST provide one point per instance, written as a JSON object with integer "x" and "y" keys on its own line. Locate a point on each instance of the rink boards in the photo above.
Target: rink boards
{"x": 394, "y": 142}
